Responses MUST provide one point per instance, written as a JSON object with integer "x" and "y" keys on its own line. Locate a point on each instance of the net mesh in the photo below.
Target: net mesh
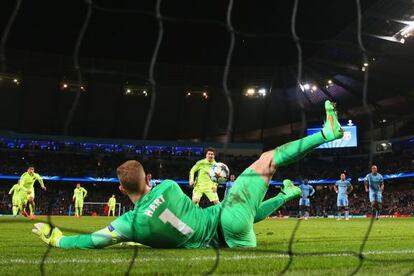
{"x": 233, "y": 33}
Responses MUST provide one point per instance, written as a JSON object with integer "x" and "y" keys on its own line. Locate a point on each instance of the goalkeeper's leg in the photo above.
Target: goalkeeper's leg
{"x": 81, "y": 210}
{"x": 288, "y": 192}
{"x": 241, "y": 205}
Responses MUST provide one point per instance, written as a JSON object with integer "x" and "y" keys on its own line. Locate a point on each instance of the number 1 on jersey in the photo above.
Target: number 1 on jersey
{"x": 168, "y": 216}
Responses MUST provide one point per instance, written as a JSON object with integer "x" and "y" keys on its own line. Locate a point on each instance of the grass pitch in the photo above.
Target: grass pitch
{"x": 320, "y": 247}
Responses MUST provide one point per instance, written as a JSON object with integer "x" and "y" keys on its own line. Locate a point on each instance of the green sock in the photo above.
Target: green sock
{"x": 14, "y": 210}
{"x": 293, "y": 151}
{"x": 31, "y": 209}
{"x": 76, "y": 211}
{"x": 267, "y": 207}
{"x": 80, "y": 211}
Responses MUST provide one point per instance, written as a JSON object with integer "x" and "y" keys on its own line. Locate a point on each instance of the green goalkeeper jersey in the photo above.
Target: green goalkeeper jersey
{"x": 166, "y": 218}
{"x": 203, "y": 167}
{"x": 79, "y": 193}
{"x": 27, "y": 180}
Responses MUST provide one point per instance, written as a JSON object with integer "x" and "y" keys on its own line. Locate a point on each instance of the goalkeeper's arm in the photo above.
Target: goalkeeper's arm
{"x": 54, "y": 237}
{"x": 107, "y": 236}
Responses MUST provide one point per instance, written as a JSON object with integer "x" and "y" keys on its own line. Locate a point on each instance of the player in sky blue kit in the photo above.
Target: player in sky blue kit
{"x": 343, "y": 187}
{"x": 304, "y": 201}
{"x": 151, "y": 182}
{"x": 374, "y": 184}
{"x": 229, "y": 184}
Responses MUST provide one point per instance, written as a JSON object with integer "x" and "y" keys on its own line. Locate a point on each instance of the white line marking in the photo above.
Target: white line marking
{"x": 51, "y": 260}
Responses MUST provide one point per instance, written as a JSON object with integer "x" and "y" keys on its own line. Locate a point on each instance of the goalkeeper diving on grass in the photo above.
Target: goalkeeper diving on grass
{"x": 165, "y": 217}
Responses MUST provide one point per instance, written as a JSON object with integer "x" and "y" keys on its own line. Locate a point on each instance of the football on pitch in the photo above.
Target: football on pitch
{"x": 219, "y": 173}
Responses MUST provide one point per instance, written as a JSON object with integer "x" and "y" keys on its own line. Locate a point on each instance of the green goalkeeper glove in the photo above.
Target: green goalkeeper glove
{"x": 49, "y": 235}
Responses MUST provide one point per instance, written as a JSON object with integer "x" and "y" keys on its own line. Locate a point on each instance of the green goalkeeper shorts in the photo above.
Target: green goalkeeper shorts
{"x": 239, "y": 209}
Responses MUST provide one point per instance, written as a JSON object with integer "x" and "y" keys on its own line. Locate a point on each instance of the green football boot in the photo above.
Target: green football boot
{"x": 332, "y": 128}
{"x": 290, "y": 191}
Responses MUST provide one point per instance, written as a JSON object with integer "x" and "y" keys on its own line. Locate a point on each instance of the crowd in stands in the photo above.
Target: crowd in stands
{"x": 315, "y": 166}
{"x": 398, "y": 198}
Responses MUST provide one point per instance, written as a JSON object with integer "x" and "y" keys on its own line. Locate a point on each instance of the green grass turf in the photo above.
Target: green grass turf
{"x": 390, "y": 250}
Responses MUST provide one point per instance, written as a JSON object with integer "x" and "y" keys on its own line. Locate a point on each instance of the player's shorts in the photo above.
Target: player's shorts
{"x": 112, "y": 208}
{"x": 375, "y": 196}
{"x": 78, "y": 203}
{"x": 31, "y": 194}
{"x": 199, "y": 191}
{"x": 304, "y": 202}
{"x": 16, "y": 200}
{"x": 342, "y": 201}
{"x": 239, "y": 209}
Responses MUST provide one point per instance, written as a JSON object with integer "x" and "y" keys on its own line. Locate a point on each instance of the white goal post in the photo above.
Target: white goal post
{"x": 97, "y": 207}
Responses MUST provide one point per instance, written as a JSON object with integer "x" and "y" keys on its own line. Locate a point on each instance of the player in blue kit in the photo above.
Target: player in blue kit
{"x": 304, "y": 201}
{"x": 374, "y": 184}
{"x": 229, "y": 184}
{"x": 343, "y": 187}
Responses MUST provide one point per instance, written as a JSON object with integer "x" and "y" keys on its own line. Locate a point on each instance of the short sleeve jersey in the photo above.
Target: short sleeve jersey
{"x": 27, "y": 180}
{"x": 374, "y": 181}
{"x": 342, "y": 187}
{"x": 79, "y": 194}
{"x": 306, "y": 190}
{"x": 203, "y": 167}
